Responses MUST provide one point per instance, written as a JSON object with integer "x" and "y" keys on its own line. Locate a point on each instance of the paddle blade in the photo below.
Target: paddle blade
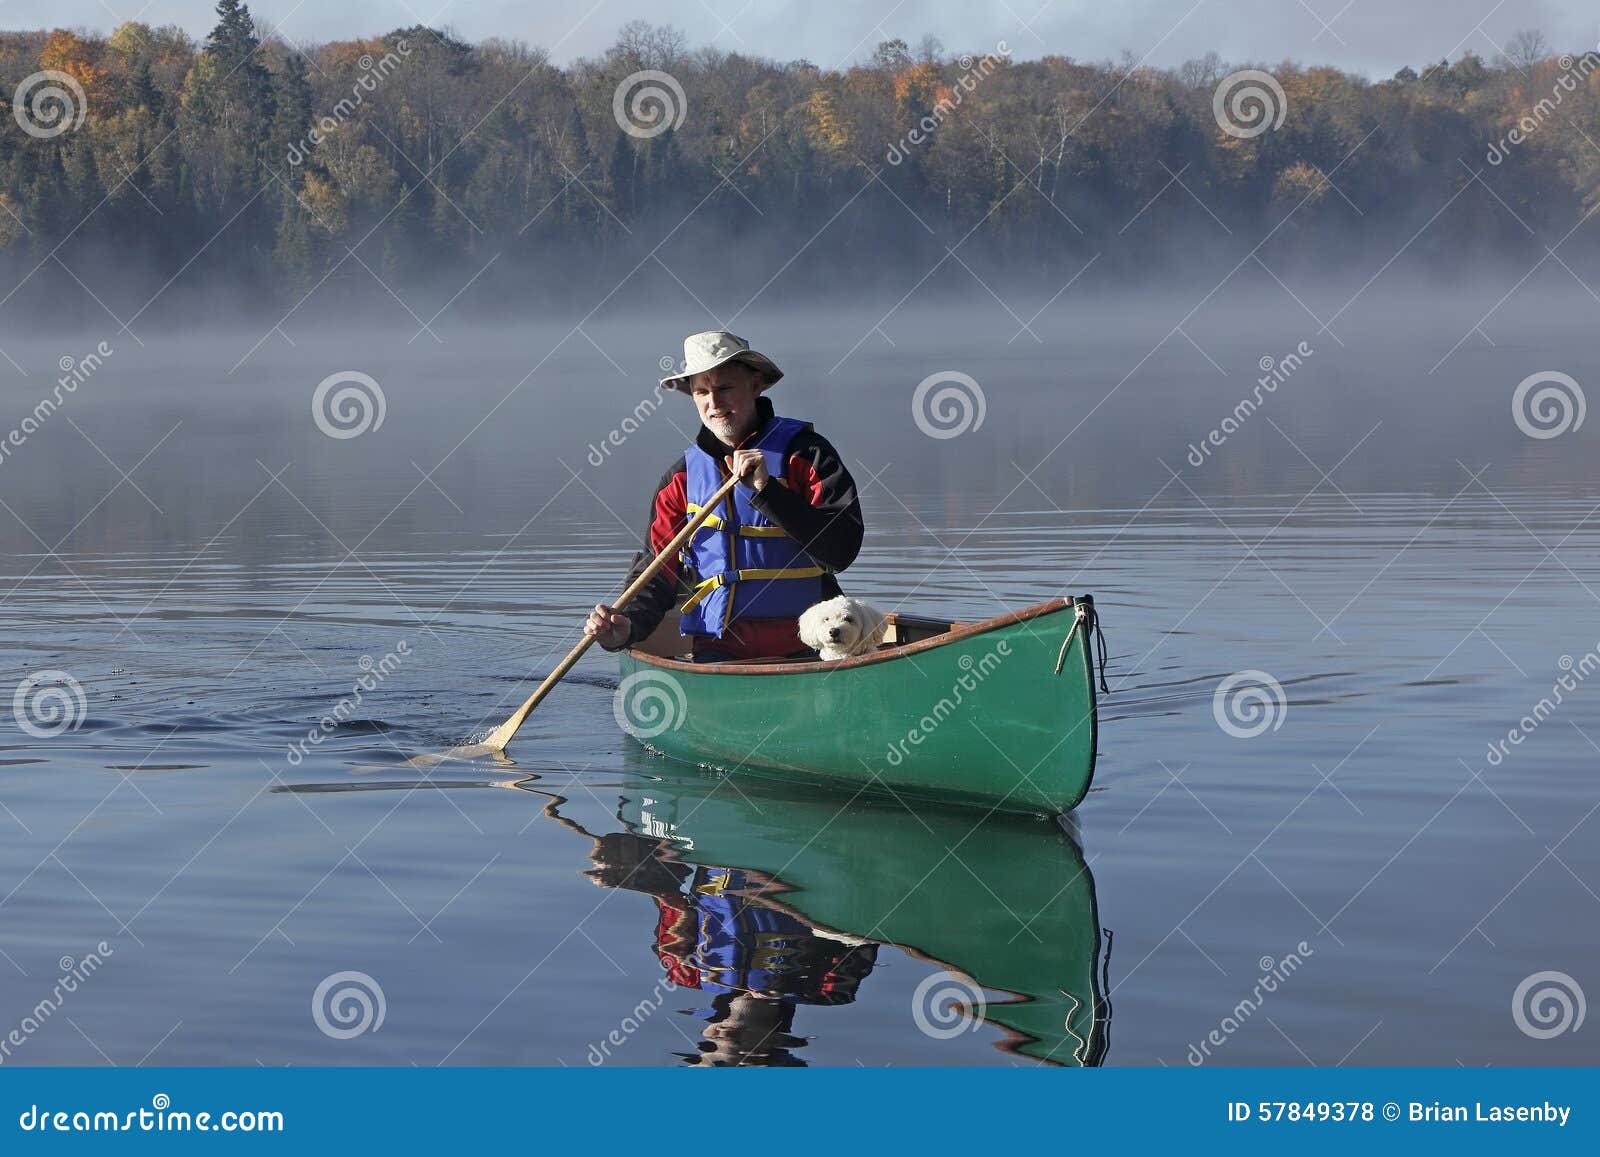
{"x": 466, "y": 751}
{"x": 497, "y": 739}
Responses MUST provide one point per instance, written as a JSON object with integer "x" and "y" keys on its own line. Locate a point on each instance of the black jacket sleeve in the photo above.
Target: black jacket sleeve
{"x": 831, "y": 530}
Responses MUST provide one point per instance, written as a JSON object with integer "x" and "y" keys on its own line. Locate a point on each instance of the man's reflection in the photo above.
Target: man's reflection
{"x": 757, "y": 962}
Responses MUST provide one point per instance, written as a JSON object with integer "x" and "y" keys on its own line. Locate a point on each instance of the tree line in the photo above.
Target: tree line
{"x": 283, "y": 168}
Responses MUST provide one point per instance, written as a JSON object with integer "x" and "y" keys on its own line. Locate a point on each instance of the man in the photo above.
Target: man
{"x": 773, "y": 548}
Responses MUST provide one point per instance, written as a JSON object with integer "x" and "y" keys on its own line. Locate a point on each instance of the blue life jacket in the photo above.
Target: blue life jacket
{"x": 742, "y": 564}
{"x": 744, "y": 945}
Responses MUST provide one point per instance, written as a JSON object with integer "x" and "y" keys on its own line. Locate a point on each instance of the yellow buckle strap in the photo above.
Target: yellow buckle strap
{"x": 715, "y": 521}
{"x": 762, "y": 532}
{"x": 701, "y": 590}
{"x": 794, "y": 572}
{"x": 754, "y": 574}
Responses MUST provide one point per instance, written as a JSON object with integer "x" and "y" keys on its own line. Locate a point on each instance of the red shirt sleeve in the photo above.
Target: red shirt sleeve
{"x": 677, "y": 931}
{"x": 668, "y": 516}
{"x": 804, "y": 480}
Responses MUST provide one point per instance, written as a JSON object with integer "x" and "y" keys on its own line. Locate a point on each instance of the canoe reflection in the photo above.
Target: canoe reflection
{"x": 769, "y": 898}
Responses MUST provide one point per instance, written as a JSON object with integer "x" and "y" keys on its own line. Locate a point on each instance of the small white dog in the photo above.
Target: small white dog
{"x": 842, "y": 627}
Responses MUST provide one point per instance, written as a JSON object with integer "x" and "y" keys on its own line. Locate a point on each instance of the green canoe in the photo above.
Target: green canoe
{"x": 1004, "y": 903}
{"x": 1000, "y": 713}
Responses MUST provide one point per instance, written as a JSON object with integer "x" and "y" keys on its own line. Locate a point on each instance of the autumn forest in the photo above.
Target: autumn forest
{"x": 278, "y": 169}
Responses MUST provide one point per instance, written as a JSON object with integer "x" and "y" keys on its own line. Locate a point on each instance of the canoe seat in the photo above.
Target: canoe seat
{"x": 904, "y": 629}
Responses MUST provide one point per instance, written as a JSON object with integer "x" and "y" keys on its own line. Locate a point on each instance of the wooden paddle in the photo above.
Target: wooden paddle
{"x": 500, "y": 736}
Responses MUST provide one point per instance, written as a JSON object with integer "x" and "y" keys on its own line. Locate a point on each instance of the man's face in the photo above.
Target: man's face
{"x": 726, "y": 399}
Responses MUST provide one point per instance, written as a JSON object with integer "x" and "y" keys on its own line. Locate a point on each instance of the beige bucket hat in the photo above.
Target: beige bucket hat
{"x": 710, "y": 349}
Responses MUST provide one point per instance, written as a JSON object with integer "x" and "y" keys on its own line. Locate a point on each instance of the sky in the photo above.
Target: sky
{"x": 1374, "y": 37}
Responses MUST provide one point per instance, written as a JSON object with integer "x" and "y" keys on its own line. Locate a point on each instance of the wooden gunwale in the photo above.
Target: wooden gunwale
{"x": 818, "y": 666}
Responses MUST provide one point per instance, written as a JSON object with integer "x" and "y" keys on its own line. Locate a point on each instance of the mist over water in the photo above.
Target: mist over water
{"x": 1087, "y": 402}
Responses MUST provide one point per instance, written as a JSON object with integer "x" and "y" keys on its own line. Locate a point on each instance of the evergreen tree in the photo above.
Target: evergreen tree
{"x": 144, "y": 93}
{"x": 624, "y": 178}
{"x": 292, "y": 118}
{"x": 235, "y": 45}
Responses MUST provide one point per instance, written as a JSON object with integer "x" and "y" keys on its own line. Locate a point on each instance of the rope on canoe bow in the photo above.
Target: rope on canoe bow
{"x": 1100, "y": 645}
{"x": 1087, "y": 618}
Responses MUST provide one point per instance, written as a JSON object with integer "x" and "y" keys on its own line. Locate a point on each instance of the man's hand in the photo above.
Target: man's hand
{"x": 749, "y": 466}
{"x": 610, "y": 627}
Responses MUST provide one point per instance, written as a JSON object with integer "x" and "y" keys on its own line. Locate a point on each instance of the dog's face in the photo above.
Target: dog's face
{"x": 840, "y": 625}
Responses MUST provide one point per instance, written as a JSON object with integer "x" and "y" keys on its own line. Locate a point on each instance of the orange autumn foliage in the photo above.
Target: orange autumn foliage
{"x": 64, "y": 52}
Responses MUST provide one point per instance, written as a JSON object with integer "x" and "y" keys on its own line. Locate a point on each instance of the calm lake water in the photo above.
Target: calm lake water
{"x": 1358, "y": 883}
